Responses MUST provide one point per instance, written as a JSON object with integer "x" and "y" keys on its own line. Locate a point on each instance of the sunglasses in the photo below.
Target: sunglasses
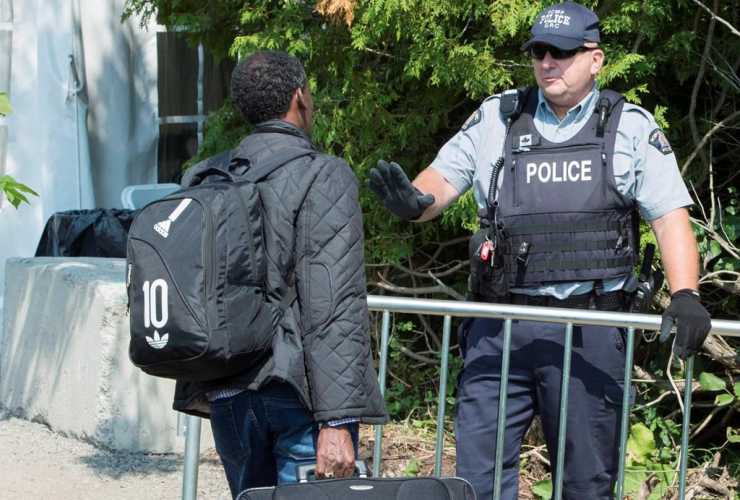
{"x": 538, "y": 52}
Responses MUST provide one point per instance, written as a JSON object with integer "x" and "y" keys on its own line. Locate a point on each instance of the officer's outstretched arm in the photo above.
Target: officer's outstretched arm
{"x": 680, "y": 258}
{"x": 445, "y": 194}
{"x": 415, "y": 202}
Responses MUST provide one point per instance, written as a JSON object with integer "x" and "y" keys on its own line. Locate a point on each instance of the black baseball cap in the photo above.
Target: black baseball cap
{"x": 566, "y": 26}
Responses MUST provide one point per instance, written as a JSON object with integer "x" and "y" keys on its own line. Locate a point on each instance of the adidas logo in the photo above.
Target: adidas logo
{"x": 158, "y": 342}
{"x": 163, "y": 227}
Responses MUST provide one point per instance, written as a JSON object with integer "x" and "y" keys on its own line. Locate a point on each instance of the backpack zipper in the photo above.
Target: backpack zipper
{"x": 210, "y": 261}
{"x": 249, "y": 225}
{"x": 210, "y": 280}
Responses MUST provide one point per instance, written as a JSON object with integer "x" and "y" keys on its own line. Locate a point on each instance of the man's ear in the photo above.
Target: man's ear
{"x": 301, "y": 99}
{"x": 597, "y": 61}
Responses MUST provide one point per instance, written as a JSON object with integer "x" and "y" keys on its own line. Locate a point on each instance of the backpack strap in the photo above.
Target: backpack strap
{"x": 287, "y": 301}
{"x": 224, "y": 165}
{"x": 194, "y": 175}
{"x": 258, "y": 172}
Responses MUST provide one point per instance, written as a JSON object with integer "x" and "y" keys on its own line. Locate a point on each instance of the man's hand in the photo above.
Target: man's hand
{"x": 692, "y": 323}
{"x": 335, "y": 452}
{"x": 390, "y": 183}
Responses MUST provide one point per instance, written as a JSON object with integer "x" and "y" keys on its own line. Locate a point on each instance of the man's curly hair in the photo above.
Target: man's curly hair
{"x": 263, "y": 84}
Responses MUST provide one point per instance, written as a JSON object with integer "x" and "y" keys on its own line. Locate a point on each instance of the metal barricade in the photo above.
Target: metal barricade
{"x": 509, "y": 313}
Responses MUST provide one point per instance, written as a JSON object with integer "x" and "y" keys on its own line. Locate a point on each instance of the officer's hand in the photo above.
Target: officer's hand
{"x": 335, "y": 453}
{"x": 692, "y": 323}
{"x": 396, "y": 193}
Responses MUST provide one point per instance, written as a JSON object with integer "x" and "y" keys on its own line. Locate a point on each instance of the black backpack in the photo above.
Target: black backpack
{"x": 196, "y": 274}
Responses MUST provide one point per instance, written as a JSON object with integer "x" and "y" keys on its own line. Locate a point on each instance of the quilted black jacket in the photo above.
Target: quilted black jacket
{"x": 313, "y": 239}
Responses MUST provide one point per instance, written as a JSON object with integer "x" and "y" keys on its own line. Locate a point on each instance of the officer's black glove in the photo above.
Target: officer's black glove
{"x": 692, "y": 323}
{"x": 396, "y": 193}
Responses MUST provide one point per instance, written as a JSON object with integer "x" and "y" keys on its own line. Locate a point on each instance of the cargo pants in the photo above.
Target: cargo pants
{"x": 594, "y": 408}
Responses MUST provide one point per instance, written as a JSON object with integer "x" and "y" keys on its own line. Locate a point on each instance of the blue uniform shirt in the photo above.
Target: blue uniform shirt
{"x": 645, "y": 168}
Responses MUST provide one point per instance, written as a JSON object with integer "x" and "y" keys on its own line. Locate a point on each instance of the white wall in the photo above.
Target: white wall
{"x": 76, "y": 145}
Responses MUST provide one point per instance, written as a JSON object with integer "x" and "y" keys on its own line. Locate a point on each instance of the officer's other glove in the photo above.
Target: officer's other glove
{"x": 396, "y": 193}
{"x": 692, "y": 323}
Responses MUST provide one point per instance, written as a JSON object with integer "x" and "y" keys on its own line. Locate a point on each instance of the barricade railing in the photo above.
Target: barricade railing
{"x": 509, "y": 313}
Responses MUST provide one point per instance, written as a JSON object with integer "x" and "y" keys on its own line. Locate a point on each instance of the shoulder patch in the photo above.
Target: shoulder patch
{"x": 474, "y": 119}
{"x": 659, "y": 141}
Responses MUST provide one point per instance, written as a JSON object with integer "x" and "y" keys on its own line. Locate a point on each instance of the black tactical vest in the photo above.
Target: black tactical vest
{"x": 564, "y": 219}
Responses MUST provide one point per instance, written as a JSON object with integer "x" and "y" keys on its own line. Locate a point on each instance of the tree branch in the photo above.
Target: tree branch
{"x": 697, "y": 85}
{"x": 455, "y": 268}
{"x": 718, "y": 238}
{"x": 716, "y": 17}
{"x": 419, "y": 357}
{"x": 441, "y": 247}
{"x": 723, "y": 96}
{"x": 430, "y": 331}
{"x": 419, "y": 290}
{"x": 450, "y": 290}
{"x": 731, "y": 410}
{"x": 707, "y": 136}
{"x": 642, "y": 375}
{"x": 673, "y": 382}
{"x": 385, "y": 54}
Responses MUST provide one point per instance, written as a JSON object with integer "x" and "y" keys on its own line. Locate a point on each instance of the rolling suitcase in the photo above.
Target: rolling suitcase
{"x": 362, "y": 487}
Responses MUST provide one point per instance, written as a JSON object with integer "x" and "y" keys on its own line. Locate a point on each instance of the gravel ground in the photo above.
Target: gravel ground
{"x": 36, "y": 463}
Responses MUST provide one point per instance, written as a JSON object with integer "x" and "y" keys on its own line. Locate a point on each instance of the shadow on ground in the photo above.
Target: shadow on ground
{"x": 119, "y": 465}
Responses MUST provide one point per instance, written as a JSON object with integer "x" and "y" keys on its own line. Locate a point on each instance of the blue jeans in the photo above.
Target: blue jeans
{"x": 261, "y": 436}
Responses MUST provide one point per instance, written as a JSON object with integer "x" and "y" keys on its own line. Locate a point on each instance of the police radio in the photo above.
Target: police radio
{"x": 510, "y": 104}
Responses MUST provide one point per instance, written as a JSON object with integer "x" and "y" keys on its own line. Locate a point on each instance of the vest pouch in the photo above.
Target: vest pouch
{"x": 486, "y": 282}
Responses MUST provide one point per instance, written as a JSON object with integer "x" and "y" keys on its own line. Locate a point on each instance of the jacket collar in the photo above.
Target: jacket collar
{"x": 280, "y": 126}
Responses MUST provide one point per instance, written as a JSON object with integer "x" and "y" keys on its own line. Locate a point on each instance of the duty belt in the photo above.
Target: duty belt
{"x": 611, "y": 301}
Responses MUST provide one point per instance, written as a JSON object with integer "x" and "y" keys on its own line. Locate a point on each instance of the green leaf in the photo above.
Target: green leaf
{"x": 633, "y": 481}
{"x": 724, "y": 399}
{"x": 13, "y": 190}
{"x": 412, "y": 469}
{"x": 733, "y": 435}
{"x": 659, "y": 114}
{"x": 5, "y": 108}
{"x": 641, "y": 443}
{"x": 716, "y": 248}
{"x": 711, "y": 382}
{"x": 543, "y": 489}
{"x": 736, "y": 389}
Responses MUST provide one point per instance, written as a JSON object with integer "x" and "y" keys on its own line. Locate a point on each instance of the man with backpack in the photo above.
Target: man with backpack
{"x": 301, "y": 401}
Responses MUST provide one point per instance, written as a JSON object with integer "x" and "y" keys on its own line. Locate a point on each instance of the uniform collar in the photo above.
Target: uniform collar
{"x": 577, "y": 113}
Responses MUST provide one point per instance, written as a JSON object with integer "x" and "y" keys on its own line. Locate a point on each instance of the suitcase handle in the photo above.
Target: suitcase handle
{"x": 302, "y": 471}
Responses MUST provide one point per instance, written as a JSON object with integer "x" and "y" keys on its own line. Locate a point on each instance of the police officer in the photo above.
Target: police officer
{"x": 560, "y": 172}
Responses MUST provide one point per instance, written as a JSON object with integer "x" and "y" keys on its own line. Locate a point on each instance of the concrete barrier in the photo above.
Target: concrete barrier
{"x": 64, "y": 358}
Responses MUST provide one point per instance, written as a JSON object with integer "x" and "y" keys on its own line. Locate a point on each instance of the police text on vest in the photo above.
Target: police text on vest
{"x": 573, "y": 171}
